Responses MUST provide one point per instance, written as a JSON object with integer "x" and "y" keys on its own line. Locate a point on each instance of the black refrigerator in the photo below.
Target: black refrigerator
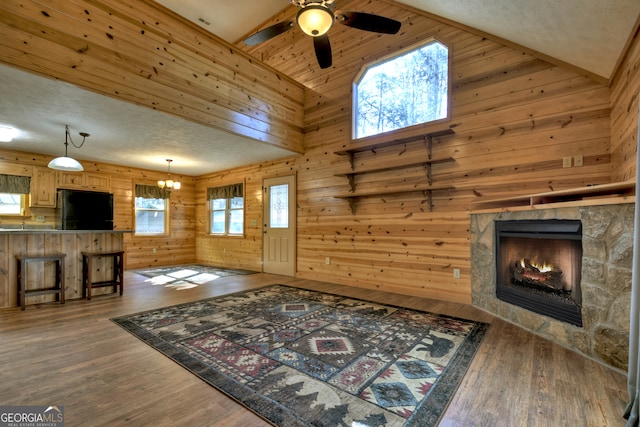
{"x": 84, "y": 210}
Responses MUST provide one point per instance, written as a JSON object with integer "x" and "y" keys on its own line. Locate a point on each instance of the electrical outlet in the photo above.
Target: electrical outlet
{"x": 40, "y": 218}
{"x": 578, "y": 160}
{"x": 154, "y": 250}
{"x": 566, "y": 162}
{"x": 327, "y": 260}
{"x": 456, "y": 273}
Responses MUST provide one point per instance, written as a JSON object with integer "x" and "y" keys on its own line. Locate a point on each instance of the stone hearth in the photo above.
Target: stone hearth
{"x": 605, "y": 279}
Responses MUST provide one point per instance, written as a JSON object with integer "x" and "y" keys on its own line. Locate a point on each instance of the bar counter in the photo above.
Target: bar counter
{"x": 43, "y": 241}
{"x": 56, "y": 231}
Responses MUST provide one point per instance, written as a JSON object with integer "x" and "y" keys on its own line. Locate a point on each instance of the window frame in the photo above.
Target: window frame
{"x": 227, "y": 215}
{"x": 24, "y": 206}
{"x": 412, "y": 128}
{"x": 165, "y": 232}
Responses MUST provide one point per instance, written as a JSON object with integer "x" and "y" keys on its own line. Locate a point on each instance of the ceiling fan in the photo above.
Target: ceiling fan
{"x": 316, "y": 17}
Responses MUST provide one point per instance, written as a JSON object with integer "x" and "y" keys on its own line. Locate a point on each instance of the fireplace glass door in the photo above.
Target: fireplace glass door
{"x": 538, "y": 266}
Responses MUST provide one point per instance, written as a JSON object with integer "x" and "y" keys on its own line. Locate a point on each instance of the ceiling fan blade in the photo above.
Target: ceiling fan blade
{"x": 368, "y": 22}
{"x": 323, "y": 50}
{"x": 268, "y": 33}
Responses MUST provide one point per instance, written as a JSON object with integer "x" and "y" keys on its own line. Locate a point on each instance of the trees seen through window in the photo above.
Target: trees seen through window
{"x": 406, "y": 90}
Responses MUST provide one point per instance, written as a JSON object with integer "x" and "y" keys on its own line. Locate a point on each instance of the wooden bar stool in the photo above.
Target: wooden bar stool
{"x": 87, "y": 269}
{"x": 58, "y": 289}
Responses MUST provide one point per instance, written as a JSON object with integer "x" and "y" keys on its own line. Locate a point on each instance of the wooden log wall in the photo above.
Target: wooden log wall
{"x": 625, "y": 101}
{"x": 178, "y": 247}
{"x": 515, "y": 117}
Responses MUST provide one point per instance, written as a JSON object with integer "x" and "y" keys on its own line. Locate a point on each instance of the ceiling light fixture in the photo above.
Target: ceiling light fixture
{"x": 315, "y": 19}
{"x": 169, "y": 183}
{"x": 7, "y": 133}
{"x": 66, "y": 163}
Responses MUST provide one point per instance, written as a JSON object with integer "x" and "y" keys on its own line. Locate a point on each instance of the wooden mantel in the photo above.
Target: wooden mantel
{"x": 139, "y": 51}
{"x": 589, "y": 195}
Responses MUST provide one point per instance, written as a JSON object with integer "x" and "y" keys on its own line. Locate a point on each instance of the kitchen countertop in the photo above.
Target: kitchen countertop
{"x": 55, "y": 231}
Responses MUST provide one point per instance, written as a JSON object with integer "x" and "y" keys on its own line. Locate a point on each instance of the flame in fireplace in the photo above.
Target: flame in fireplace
{"x": 542, "y": 267}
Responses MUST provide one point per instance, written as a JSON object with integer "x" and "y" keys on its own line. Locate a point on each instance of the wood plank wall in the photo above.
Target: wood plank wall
{"x": 233, "y": 251}
{"x": 515, "y": 118}
{"x": 625, "y": 101}
{"x": 178, "y": 247}
{"x": 140, "y": 52}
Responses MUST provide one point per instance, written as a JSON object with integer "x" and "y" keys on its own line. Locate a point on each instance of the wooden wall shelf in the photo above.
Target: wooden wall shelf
{"x": 393, "y": 167}
{"x": 359, "y": 147}
{"x": 382, "y": 192}
{"x": 353, "y": 197}
{"x": 354, "y": 194}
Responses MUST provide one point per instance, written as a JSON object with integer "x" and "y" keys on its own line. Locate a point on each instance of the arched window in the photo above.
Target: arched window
{"x": 403, "y": 90}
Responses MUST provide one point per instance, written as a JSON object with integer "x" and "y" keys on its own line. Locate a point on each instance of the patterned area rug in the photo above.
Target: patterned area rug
{"x": 301, "y": 358}
{"x": 187, "y": 276}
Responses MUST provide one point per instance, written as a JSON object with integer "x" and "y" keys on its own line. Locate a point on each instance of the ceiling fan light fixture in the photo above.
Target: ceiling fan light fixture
{"x": 315, "y": 20}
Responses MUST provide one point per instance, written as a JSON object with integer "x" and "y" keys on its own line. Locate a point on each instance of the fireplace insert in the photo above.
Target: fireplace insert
{"x": 538, "y": 266}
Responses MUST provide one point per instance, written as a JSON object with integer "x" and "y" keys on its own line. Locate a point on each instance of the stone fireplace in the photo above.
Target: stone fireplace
{"x": 538, "y": 266}
{"x": 595, "y": 279}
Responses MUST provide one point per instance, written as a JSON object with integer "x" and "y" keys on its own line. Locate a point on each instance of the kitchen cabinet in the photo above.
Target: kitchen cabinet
{"x": 73, "y": 180}
{"x": 92, "y": 181}
{"x": 43, "y": 188}
{"x": 97, "y": 182}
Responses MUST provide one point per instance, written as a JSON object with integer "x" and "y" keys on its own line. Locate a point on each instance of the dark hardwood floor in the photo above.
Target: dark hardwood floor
{"x": 73, "y": 355}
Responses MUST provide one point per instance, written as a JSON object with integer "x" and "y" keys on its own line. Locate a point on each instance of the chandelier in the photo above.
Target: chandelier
{"x": 169, "y": 183}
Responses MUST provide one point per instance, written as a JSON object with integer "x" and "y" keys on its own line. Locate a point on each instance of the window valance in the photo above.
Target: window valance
{"x": 151, "y": 192}
{"x": 225, "y": 191}
{"x": 15, "y": 184}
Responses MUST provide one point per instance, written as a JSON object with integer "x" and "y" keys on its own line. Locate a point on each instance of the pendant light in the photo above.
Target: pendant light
{"x": 169, "y": 183}
{"x": 66, "y": 163}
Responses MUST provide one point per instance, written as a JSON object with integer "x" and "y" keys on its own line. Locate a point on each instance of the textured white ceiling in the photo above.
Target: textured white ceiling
{"x": 589, "y": 34}
{"x": 228, "y": 19}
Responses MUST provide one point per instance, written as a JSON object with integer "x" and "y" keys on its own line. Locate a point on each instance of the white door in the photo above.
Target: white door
{"x": 279, "y": 243}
